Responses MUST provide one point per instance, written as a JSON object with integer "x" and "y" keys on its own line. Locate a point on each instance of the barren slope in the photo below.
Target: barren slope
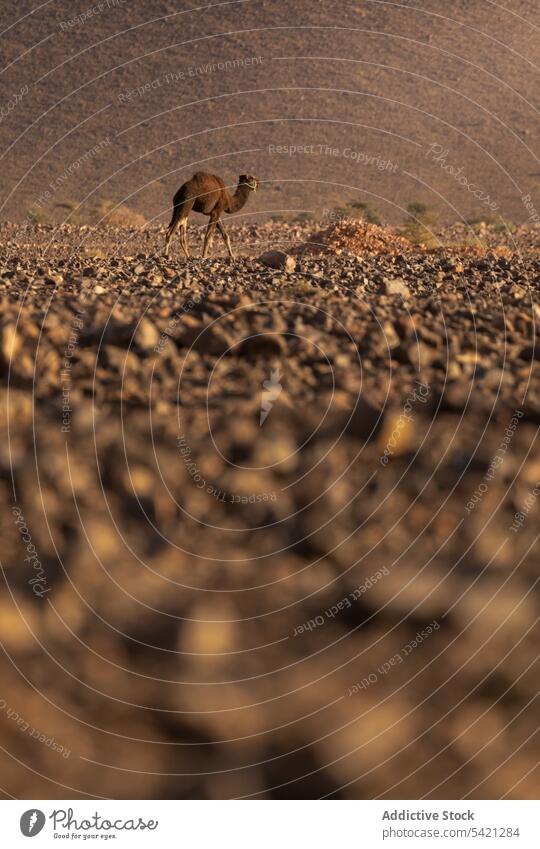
{"x": 378, "y": 81}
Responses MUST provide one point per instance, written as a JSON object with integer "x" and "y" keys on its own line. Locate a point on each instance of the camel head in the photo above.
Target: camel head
{"x": 248, "y": 180}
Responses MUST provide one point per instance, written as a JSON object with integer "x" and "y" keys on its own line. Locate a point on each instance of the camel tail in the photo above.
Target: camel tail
{"x": 175, "y": 216}
{"x": 182, "y": 204}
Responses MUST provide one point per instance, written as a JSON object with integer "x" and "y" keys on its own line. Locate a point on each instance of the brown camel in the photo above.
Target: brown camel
{"x": 208, "y": 194}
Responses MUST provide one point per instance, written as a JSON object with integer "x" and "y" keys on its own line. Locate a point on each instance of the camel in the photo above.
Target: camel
{"x": 208, "y": 194}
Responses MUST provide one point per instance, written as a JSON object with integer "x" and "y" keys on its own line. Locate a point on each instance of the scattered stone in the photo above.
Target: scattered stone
{"x": 146, "y": 335}
{"x": 262, "y": 345}
{"x": 10, "y": 342}
{"x": 203, "y": 338}
{"x": 278, "y": 259}
{"x": 365, "y": 420}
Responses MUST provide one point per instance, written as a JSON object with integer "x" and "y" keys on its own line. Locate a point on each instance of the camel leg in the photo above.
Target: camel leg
{"x": 208, "y": 238}
{"x": 170, "y": 233}
{"x": 183, "y": 237}
{"x": 225, "y": 236}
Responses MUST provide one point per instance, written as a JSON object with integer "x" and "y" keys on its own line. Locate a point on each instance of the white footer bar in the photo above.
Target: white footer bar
{"x": 271, "y": 824}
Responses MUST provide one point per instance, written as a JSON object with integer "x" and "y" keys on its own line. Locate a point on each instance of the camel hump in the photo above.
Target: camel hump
{"x": 208, "y": 179}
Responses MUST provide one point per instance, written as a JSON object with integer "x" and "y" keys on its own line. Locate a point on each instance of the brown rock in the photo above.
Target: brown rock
{"x": 395, "y": 286}
{"x": 278, "y": 259}
{"x": 146, "y": 335}
{"x": 262, "y": 345}
{"x": 365, "y": 421}
{"x": 10, "y": 342}
{"x": 204, "y": 338}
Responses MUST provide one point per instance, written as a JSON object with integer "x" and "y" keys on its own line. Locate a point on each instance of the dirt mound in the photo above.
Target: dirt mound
{"x": 358, "y": 238}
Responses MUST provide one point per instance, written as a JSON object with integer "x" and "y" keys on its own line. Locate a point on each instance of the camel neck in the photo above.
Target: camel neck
{"x": 239, "y": 198}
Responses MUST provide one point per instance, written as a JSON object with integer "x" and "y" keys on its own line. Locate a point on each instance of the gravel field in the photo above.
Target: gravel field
{"x": 267, "y": 531}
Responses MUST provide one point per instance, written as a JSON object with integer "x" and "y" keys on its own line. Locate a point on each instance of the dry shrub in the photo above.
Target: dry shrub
{"x": 108, "y": 212}
{"x": 420, "y": 225}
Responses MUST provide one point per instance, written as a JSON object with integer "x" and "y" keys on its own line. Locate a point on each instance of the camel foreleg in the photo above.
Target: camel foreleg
{"x": 226, "y": 239}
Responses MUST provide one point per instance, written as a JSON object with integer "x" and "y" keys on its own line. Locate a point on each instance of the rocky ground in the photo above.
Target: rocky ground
{"x": 268, "y": 531}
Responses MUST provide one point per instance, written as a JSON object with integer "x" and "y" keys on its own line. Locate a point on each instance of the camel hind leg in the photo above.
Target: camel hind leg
{"x": 183, "y": 237}
{"x": 181, "y": 208}
{"x": 177, "y": 222}
{"x": 172, "y": 228}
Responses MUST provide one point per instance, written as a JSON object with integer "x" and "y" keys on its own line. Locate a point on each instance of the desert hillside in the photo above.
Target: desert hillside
{"x": 373, "y": 101}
